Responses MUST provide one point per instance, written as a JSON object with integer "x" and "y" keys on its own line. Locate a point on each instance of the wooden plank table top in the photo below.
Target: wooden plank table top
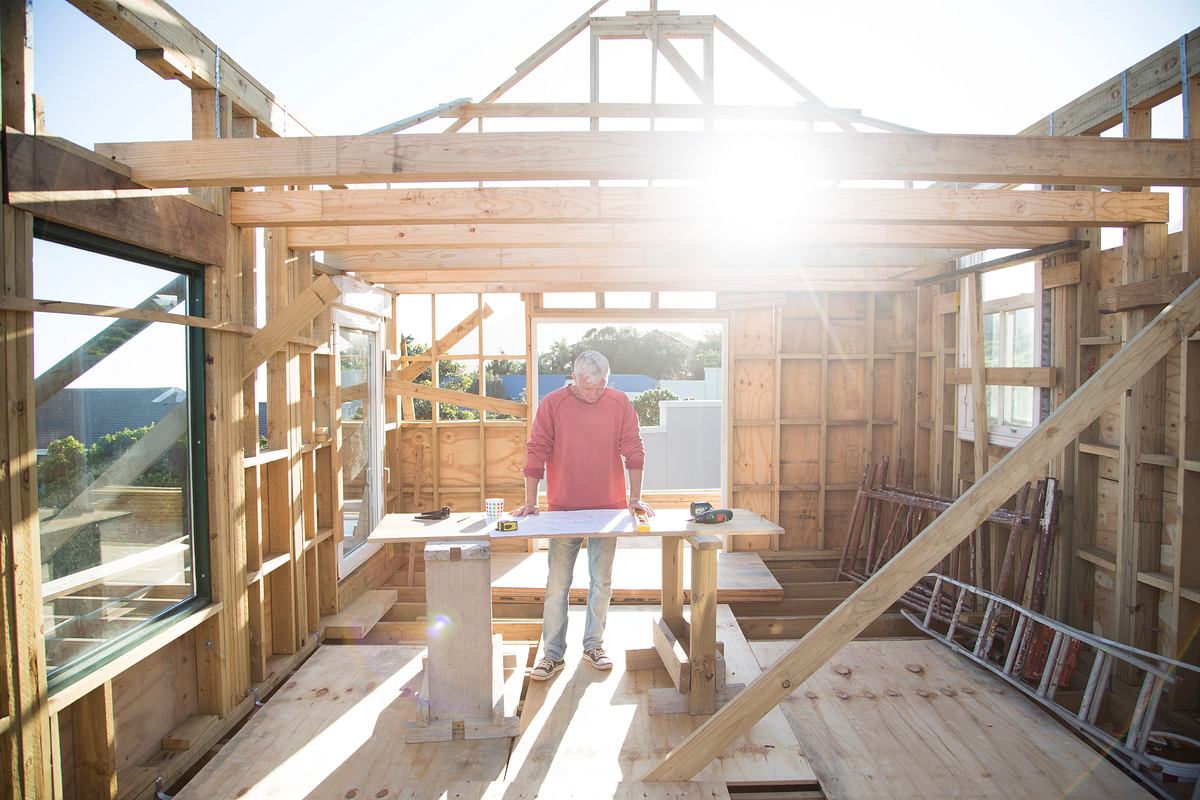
{"x": 399, "y": 528}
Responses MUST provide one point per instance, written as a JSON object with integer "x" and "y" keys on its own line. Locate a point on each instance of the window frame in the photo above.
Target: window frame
{"x": 636, "y": 316}
{"x": 999, "y": 432}
{"x": 201, "y": 598}
{"x": 363, "y": 319}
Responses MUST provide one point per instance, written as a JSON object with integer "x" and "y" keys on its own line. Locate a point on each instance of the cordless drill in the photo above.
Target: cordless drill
{"x": 706, "y": 514}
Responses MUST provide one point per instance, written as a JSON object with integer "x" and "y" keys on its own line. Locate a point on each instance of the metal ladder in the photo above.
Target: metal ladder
{"x": 1011, "y": 660}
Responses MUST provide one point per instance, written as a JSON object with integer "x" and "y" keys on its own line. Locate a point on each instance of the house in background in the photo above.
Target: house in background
{"x": 88, "y": 414}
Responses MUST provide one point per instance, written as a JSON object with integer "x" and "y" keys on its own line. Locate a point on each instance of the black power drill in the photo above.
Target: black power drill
{"x": 706, "y": 514}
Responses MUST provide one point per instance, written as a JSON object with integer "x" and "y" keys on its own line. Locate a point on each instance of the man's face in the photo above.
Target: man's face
{"x": 587, "y": 389}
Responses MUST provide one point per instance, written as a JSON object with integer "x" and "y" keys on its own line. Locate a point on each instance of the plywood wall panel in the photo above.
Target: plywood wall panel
{"x": 753, "y": 332}
{"x": 844, "y": 454}
{"x": 847, "y": 337}
{"x": 753, "y": 390}
{"x": 801, "y": 335}
{"x": 847, "y": 390}
{"x": 752, "y": 464}
{"x": 151, "y": 698}
{"x": 799, "y": 449}
{"x": 798, "y": 517}
{"x": 838, "y": 505}
{"x": 800, "y": 391}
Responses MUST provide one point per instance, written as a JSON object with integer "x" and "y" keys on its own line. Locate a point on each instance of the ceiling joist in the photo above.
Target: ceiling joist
{"x": 732, "y": 157}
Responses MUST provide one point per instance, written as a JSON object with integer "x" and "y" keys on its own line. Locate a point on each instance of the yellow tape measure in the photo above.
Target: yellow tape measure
{"x": 506, "y": 525}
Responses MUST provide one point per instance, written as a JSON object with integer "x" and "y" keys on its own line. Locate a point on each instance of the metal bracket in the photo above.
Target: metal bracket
{"x": 257, "y": 701}
{"x": 159, "y": 794}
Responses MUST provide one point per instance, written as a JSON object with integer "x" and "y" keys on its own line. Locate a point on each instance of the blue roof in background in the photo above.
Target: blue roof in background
{"x": 633, "y": 383}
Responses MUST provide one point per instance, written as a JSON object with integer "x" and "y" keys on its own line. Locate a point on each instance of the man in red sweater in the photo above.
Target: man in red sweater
{"x": 580, "y": 435}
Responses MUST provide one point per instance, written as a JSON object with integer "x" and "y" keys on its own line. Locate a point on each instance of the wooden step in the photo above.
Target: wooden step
{"x": 356, "y": 620}
{"x": 796, "y": 607}
{"x": 888, "y": 626}
{"x": 828, "y": 589}
{"x": 413, "y": 631}
{"x": 805, "y": 575}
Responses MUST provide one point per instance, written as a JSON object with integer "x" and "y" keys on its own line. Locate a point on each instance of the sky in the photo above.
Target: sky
{"x": 350, "y": 67}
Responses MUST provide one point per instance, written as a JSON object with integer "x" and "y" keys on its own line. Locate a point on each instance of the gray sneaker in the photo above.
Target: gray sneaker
{"x": 597, "y": 658}
{"x": 545, "y": 668}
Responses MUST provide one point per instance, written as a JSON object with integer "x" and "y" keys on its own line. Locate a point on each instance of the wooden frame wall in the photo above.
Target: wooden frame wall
{"x": 284, "y": 551}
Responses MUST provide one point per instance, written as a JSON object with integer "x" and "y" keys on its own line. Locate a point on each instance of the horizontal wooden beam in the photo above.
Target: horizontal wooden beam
{"x": 678, "y": 204}
{"x": 423, "y": 391}
{"x": 175, "y": 49}
{"x": 942, "y": 535}
{"x": 58, "y": 181}
{"x": 682, "y": 284}
{"x": 364, "y": 262}
{"x": 641, "y": 110}
{"x": 605, "y": 234}
{"x": 1044, "y": 377}
{"x": 725, "y": 157}
{"x": 643, "y": 274}
{"x": 1142, "y": 294}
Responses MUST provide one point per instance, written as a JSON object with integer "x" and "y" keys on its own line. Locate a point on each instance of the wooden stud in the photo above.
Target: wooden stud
{"x": 93, "y": 738}
{"x": 27, "y": 761}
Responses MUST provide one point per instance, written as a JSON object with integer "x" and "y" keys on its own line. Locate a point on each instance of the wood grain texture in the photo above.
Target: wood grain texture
{"x": 953, "y": 730}
{"x": 596, "y": 727}
{"x": 620, "y": 155}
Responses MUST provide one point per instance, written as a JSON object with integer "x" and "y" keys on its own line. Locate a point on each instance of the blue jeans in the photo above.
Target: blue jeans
{"x": 558, "y": 586}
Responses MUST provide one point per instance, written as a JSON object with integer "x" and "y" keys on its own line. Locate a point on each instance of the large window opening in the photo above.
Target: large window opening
{"x": 672, "y": 372}
{"x": 120, "y": 447}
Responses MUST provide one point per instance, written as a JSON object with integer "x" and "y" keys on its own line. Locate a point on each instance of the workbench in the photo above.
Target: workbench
{"x": 697, "y": 670}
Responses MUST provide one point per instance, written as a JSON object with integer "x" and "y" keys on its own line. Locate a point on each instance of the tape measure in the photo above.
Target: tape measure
{"x": 506, "y": 525}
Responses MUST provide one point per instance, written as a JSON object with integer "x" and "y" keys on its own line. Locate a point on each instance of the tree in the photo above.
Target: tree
{"x": 69, "y": 466}
{"x": 646, "y": 405}
{"x": 61, "y": 472}
{"x": 660, "y": 354}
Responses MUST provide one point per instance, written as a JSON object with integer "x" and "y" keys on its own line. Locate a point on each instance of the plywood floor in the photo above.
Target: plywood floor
{"x": 637, "y": 575}
{"x": 947, "y": 729}
{"x": 336, "y": 730}
{"x": 594, "y": 728}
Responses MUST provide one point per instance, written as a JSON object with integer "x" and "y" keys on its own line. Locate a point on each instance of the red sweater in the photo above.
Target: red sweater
{"x": 580, "y": 445}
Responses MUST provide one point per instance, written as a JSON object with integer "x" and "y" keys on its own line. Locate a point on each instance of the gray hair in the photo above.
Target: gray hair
{"x": 591, "y": 365}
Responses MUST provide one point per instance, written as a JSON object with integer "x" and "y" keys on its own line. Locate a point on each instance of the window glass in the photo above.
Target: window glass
{"x": 120, "y": 462}
{"x": 359, "y": 417}
{"x": 673, "y": 374}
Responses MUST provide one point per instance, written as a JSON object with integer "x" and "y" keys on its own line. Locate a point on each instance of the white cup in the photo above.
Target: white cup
{"x": 493, "y": 507}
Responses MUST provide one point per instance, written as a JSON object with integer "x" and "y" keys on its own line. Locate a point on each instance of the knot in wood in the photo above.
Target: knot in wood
{"x": 842, "y": 669}
{"x": 841, "y": 695}
{"x": 811, "y": 695}
{"x": 786, "y": 684}
{"x": 915, "y": 669}
{"x": 922, "y": 693}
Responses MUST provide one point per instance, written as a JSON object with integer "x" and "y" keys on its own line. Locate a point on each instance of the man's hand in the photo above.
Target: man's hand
{"x": 528, "y": 509}
{"x": 640, "y": 506}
